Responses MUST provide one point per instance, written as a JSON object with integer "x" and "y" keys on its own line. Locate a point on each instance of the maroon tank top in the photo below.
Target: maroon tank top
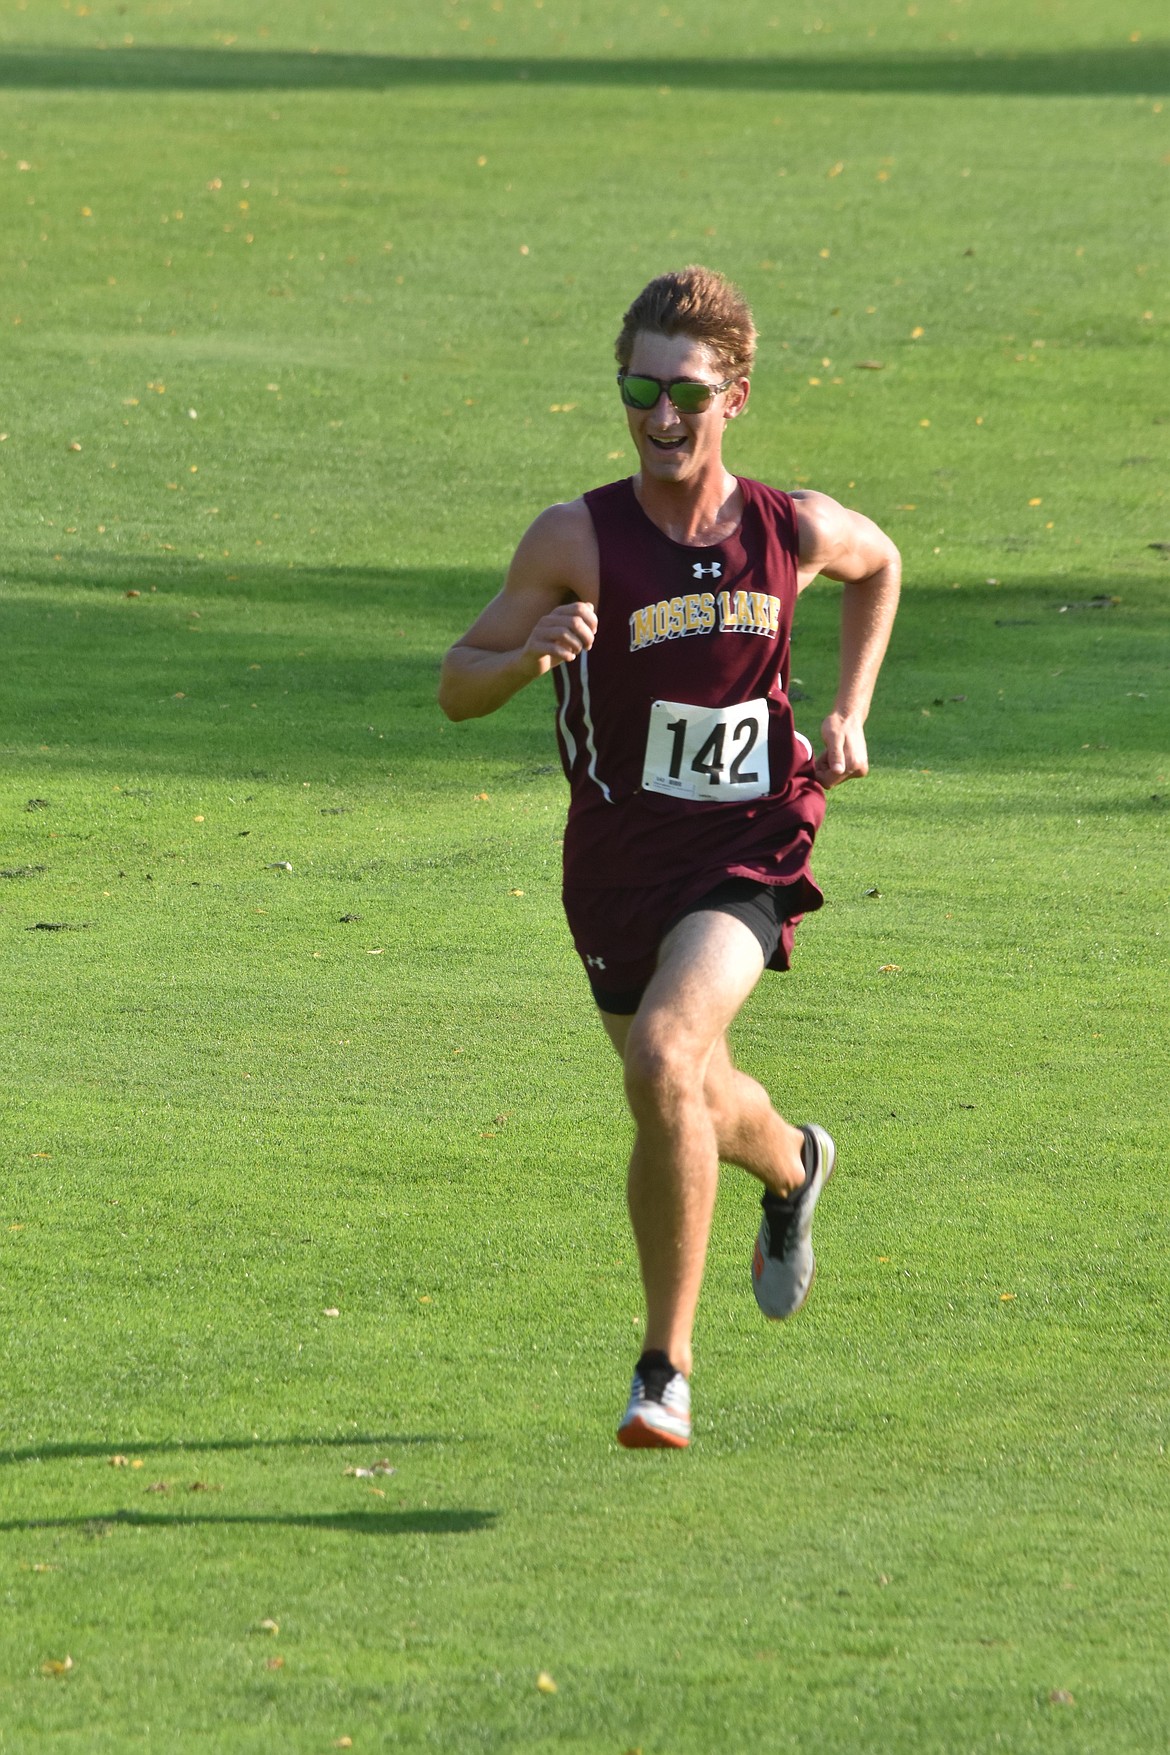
{"x": 682, "y": 631}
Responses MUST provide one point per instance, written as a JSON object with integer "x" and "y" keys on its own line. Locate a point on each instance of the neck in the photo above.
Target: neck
{"x": 698, "y": 514}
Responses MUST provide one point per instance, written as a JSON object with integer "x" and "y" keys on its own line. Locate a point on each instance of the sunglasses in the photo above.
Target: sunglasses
{"x": 688, "y": 395}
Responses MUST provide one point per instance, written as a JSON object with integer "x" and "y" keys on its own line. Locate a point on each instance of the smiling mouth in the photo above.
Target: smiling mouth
{"x": 667, "y": 444}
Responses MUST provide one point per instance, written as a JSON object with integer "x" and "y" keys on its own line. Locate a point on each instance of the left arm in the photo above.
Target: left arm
{"x": 847, "y": 546}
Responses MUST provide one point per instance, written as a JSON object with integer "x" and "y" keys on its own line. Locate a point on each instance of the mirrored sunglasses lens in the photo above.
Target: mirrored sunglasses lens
{"x": 640, "y": 392}
{"x": 690, "y": 398}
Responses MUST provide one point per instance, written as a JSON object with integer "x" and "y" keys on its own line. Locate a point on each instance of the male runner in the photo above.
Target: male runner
{"x": 662, "y": 604}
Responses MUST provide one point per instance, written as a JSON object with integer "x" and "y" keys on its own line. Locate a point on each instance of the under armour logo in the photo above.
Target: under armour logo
{"x": 714, "y": 571}
{"x": 595, "y": 962}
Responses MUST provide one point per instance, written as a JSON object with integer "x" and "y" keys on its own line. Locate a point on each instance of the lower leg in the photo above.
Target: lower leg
{"x": 749, "y": 1130}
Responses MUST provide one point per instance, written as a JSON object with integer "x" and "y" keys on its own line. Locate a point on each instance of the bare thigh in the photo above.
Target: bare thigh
{"x": 707, "y": 966}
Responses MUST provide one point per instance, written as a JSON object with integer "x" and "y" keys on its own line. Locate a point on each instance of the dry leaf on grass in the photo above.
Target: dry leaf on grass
{"x": 274, "y": 1663}
{"x": 57, "y": 1666}
{"x": 268, "y": 1625}
{"x": 545, "y": 1683}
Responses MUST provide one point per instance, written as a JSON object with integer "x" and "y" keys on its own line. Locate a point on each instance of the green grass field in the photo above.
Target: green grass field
{"x": 307, "y": 311}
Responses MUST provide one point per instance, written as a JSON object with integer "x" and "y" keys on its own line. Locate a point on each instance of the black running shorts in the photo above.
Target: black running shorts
{"x": 762, "y": 909}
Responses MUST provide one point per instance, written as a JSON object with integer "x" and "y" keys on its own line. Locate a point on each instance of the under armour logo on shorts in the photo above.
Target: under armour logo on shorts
{"x": 714, "y": 571}
{"x": 595, "y": 962}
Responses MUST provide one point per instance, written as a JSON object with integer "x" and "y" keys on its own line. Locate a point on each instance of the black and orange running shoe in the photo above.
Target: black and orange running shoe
{"x": 659, "y": 1413}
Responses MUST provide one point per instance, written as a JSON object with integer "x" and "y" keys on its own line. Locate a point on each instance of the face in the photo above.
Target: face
{"x": 676, "y": 447}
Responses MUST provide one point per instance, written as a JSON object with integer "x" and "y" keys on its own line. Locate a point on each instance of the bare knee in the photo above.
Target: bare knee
{"x": 661, "y": 1074}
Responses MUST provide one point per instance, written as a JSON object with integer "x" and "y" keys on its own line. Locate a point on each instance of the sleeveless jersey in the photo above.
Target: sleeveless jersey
{"x": 695, "y": 629}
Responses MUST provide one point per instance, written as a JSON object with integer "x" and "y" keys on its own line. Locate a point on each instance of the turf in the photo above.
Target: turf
{"x": 930, "y": 1514}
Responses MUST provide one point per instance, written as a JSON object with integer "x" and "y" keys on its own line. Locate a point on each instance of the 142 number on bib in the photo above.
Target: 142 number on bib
{"x": 713, "y": 753}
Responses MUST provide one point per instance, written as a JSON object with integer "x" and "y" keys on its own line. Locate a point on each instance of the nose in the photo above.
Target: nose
{"x": 667, "y": 413}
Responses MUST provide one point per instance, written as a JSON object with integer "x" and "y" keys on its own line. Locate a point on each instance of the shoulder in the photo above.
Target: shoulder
{"x": 837, "y": 541}
{"x": 559, "y": 547}
{"x": 566, "y": 525}
{"x": 819, "y": 518}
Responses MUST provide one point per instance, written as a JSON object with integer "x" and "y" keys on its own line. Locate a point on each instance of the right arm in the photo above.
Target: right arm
{"x": 546, "y": 614}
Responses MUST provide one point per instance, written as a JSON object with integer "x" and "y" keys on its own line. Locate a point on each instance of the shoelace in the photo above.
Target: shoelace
{"x": 782, "y": 1217}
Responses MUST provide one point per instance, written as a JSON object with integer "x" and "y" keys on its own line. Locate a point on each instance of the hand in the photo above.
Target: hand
{"x": 844, "y": 756}
{"x": 561, "y": 636}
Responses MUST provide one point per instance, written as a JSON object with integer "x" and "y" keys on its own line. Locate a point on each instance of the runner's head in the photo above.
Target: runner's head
{"x": 698, "y": 303}
{"x": 685, "y": 351}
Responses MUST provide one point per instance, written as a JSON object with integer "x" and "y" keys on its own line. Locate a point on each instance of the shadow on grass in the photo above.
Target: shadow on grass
{"x": 1128, "y": 69}
{"x": 331, "y": 672}
{"x": 244, "y": 677}
{"x": 168, "y": 1446}
{"x": 352, "y": 1523}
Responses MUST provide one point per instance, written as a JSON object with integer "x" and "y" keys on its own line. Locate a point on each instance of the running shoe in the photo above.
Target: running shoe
{"x": 783, "y": 1265}
{"x": 659, "y": 1413}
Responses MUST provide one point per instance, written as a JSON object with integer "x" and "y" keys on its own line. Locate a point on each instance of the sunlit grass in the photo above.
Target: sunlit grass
{"x": 239, "y": 1097}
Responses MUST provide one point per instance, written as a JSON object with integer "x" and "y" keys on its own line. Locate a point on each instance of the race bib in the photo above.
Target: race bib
{"x": 713, "y": 753}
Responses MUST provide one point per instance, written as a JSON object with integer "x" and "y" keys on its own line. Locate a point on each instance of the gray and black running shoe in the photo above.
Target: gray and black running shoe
{"x": 783, "y": 1265}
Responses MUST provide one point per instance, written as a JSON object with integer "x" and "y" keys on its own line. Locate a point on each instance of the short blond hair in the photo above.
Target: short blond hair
{"x": 699, "y": 303}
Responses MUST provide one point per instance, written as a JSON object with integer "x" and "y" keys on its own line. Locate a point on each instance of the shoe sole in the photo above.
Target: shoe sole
{"x": 812, "y": 1278}
{"x": 636, "y": 1434}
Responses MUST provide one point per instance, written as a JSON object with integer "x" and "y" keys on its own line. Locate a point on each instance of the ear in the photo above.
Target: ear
{"x": 737, "y": 398}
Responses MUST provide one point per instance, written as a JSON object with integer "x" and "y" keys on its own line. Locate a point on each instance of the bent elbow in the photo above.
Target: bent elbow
{"x": 449, "y": 703}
